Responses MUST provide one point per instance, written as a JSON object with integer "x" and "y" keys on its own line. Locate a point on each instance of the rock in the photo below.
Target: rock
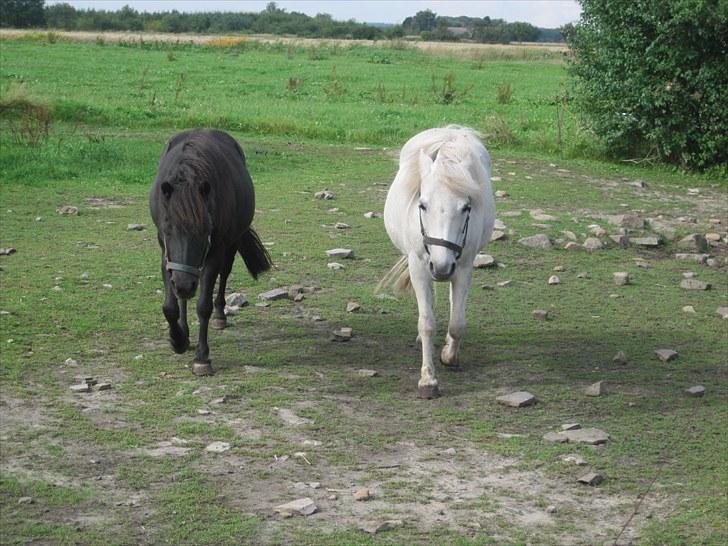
{"x": 666, "y": 355}
{"x": 722, "y": 312}
{"x": 501, "y": 194}
{"x": 510, "y": 214}
{"x": 540, "y": 216}
{"x": 7, "y": 251}
{"x": 698, "y": 258}
{"x": 25, "y": 500}
{"x": 555, "y": 437}
{"x": 361, "y": 494}
{"x": 379, "y": 527}
{"x": 688, "y": 309}
{"x": 540, "y": 314}
{"x": 694, "y": 284}
{"x": 68, "y": 210}
{"x": 554, "y": 279}
{"x": 569, "y": 235}
{"x": 536, "y": 241}
{"x": 223, "y": 399}
{"x": 363, "y": 372}
{"x": 290, "y": 418}
{"x": 591, "y": 436}
{"x": 81, "y": 387}
{"x": 217, "y": 447}
{"x": 335, "y": 266}
{"x": 597, "y": 231}
{"x": 372, "y": 215}
{"x": 341, "y": 225}
{"x": 712, "y": 262}
{"x": 104, "y": 386}
{"x": 136, "y": 227}
{"x": 204, "y": 411}
{"x": 621, "y": 239}
{"x": 70, "y": 362}
{"x": 236, "y": 299}
{"x": 301, "y": 507}
{"x": 642, "y": 264}
{"x": 275, "y": 294}
{"x": 591, "y": 478}
{"x": 571, "y": 245}
{"x": 646, "y": 241}
{"x": 342, "y": 334}
{"x": 551, "y": 509}
{"x": 84, "y": 276}
{"x": 630, "y": 221}
{"x": 298, "y": 298}
{"x": 324, "y": 194}
{"x": 517, "y": 399}
{"x": 352, "y": 307}
{"x": 694, "y": 241}
{"x": 483, "y": 261}
{"x": 498, "y": 224}
{"x": 450, "y": 451}
{"x": 575, "y": 459}
{"x": 592, "y": 243}
{"x": 688, "y": 274}
{"x": 504, "y": 284}
{"x": 571, "y": 426}
{"x": 294, "y": 290}
{"x": 696, "y": 391}
{"x": 713, "y": 237}
{"x": 596, "y": 389}
{"x": 714, "y": 221}
{"x": 497, "y": 235}
{"x": 620, "y": 358}
{"x": 621, "y": 278}
{"x": 558, "y": 268}
{"x": 341, "y": 253}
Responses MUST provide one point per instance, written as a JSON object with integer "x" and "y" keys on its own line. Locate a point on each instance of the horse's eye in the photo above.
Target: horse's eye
{"x": 467, "y": 208}
{"x": 423, "y": 207}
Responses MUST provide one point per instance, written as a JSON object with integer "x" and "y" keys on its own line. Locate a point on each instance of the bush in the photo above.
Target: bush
{"x": 651, "y": 78}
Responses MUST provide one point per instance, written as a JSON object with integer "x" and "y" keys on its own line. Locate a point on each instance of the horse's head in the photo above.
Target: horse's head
{"x": 444, "y": 217}
{"x": 185, "y": 230}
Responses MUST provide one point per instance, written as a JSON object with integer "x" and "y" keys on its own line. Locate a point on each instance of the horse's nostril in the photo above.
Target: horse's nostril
{"x": 432, "y": 267}
{"x": 452, "y": 269}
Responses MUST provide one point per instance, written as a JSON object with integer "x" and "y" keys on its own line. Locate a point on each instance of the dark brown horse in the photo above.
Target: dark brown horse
{"x": 202, "y": 202}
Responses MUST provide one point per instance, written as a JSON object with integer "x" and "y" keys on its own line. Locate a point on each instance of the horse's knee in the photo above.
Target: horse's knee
{"x": 426, "y": 327}
{"x": 456, "y": 329}
{"x": 171, "y": 312}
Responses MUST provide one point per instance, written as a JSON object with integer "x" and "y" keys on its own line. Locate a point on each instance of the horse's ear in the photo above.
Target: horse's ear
{"x": 425, "y": 163}
{"x": 167, "y": 189}
{"x": 205, "y": 188}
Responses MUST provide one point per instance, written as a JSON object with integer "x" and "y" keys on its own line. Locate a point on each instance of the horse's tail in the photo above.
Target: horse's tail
{"x": 398, "y": 277}
{"x": 253, "y": 253}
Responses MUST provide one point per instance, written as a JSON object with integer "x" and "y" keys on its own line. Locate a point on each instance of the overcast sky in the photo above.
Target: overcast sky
{"x": 543, "y": 13}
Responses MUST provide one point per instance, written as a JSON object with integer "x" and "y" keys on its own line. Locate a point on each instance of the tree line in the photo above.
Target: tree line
{"x": 272, "y": 20}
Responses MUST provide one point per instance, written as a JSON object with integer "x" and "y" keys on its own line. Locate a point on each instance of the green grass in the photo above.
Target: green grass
{"x": 105, "y": 141}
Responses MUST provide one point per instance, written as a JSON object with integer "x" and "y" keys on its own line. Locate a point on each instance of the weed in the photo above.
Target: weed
{"x": 379, "y": 58}
{"x": 448, "y": 93}
{"x": 28, "y": 120}
{"x": 171, "y": 56}
{"x": 505, "y": 93}
{"x": 227, "y": 41}
{"x": 181, "y": 77}
{"x": 100, "y": 41}
{"x": 385, "y": 97}
{"x": 497, "y": 132}
{"x": 334, "y": 88}
{"x": 52, "y": 37}
{"x": 143, "y": 79}
{"x": 294, "y": 84}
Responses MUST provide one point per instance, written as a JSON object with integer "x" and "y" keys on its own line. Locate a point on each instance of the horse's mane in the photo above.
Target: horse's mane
{"x": 450, "y": 147}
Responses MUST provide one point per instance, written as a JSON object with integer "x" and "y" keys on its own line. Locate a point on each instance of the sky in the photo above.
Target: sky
{"x": 541, "y": 13}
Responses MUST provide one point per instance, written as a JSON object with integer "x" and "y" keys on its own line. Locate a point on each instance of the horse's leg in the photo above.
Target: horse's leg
{"x": 202, "y": 365}
{"x": 219, "y": 321}
{"x": 178, "y": 336}
{"x": 422, "y": 284}
{"x": 182, "y": 322}
{"x": 459, "y": 288}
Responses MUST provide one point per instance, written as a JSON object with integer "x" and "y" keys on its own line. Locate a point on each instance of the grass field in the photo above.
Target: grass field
{"x": 129, "y": 466}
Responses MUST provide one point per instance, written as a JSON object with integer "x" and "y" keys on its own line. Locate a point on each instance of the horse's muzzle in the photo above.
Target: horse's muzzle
{"x": 441, "y": 275}
{"x": 183, "y": 284}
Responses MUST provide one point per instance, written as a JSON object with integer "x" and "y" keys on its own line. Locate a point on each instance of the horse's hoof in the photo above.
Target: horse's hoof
{"x": 218, "y": 324}
{"x": 428, "y": 392}
{"x": 202, "y": 368}
{"x": 180, "y": 348}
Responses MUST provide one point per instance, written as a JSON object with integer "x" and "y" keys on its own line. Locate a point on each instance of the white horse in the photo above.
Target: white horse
{"x": 439, "y": 213}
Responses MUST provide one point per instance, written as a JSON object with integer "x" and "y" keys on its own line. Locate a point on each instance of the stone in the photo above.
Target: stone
{"x": 324, "y": 194}
{"x": 294, "y": 290}
{"x": 236, "y": 299}
{"x": 712, "y": 262}
{"x": 379, "y": 527}
{"x": 221, "y": 400}
{"x": 558, "y": 268}
{"x": 575, "y": 459}
{"x": 569, "y": 235}
{"x": 341, "y": 225}
{"x": 555, "y": 437}
{"x": 591, "y": 436}
{"x": 722, "y": 312}
{"x": 620, "y": 358}
{"x": 263, "y": 304}
{"x": 7, "y": 251}
{"x": 536, "y": 241}
{"x": 498, "y": 224}
{"x": 694, "y": 241}
{"x": 450, "y": 451}
{"x": 592, "y": 243}
{"x": 104, "y": 386}
{"x": 540, "y": 216}
{"x": 551, "y": 509}
{"x": 81, "y": 387}
{"x": 335, "y": 266}
{"x": 342, "y": 253}
{"x": 688, "y": 309}
{"x": 597, "y": 230}
{"x": 666, "y": 355}
{"x": 649, "y": 242}
{"x": 275, "y": 294}
{"x": 25, "y": 500}
{"x": 596, "y": 389}
{"x": 714, "y": 221}
{"x": 204, "y": 411}
{"x": 698, "y": 258}
{"x": 217, "y": 447}
{"x": 362, "y": 494}
{"x": 352, "y": 307}
{"x": 342, "y": 334}
{"x": 136, "y": 227}
{"x": 620, "y": 239}
{"x": 290, "y": 418}
{"x": 689, "y": 274}
{"x": 84, "y": 276}
{"x": 70, "y": 362}
{"x": 497, "y": 235}
{"x": 591, "y": 478}
{"x": 517, "y": 399}
{"x": 571, "y": 426}
{"x": 694, "y": 284}
{"x": 372, "y": 215}
{"x": 503, "y": 284}
{"x": 298, "y": 298}
{"x": 642, "y": 264}
{"x": 713, "y": 237}
{"x": 554, "y": 279}
{"x": 571, "y": 245}
{"x": 696, "y": 391}
{"x": 301, "y": 507}
{"x": 483, "y": 261}
{"x": 630, "y": 221}
{"x": 621, "y": 278}
{"x": 662, "y": 228}
{"x": 510, "y": 214}
{"x": 540, "y": 314}
{"x": 364, "y": 372}
{"x": 501, "y": 194}
{"x": 68, "y": 210}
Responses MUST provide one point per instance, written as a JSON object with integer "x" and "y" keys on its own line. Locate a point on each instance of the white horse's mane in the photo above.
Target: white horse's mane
{"x": 451, "y": 148}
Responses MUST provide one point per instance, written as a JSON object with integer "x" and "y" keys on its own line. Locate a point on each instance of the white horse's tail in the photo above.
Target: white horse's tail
{"x": 398, "y": 278}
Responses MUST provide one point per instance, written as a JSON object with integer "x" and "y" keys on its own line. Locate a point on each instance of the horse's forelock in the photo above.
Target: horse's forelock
{"x": 186, "y": 208}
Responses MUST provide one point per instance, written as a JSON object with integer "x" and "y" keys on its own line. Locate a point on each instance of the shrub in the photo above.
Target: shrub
{"x": 505, "y": 93}
{"x": 651, "y": 78}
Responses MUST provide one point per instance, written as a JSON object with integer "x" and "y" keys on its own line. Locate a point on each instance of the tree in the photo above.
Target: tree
{"x": 22, "y": 13}
{"x": 422, "y": 21}
{"x": 651, "y": 78}
{"x": 61, "y": 16}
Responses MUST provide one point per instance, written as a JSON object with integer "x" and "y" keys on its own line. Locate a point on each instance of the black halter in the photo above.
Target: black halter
{"x": 175, "y": 266}
{"x": 457, "y": 248}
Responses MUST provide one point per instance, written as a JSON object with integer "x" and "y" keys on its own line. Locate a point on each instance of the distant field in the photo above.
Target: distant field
{"x": 83, "y": 124}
